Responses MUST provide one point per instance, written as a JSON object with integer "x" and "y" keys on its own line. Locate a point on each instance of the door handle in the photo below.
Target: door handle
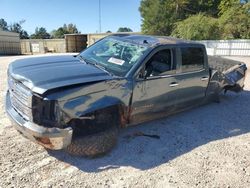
{"x": 204, "y": 78}
{"x": 173, "y": 84}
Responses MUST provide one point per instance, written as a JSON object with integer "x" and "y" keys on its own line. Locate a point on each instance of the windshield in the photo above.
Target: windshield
{"x": 114, "y": 55}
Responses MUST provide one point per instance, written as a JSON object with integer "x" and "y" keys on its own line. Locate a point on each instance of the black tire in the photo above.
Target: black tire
{"x": 94, "y": 145}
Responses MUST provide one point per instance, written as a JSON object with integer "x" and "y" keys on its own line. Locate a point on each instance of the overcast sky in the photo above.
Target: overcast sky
{"x": 52, "y": 14}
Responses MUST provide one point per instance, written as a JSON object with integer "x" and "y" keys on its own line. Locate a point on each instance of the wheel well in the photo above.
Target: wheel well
{"x": 103, "y": 119}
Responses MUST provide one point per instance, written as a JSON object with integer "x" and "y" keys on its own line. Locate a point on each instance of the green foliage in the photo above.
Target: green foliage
{"x": 197, "y": 27}
{"x": 65, "y": 29}
{"x": 3, "y": 25}
{"x": 15, "y": 27}
{"x": 208, "y": 7}
{"x": 211, "y": 19}
{"x": 227, "y": 4}
{"x": 124, "y": 29}
{"x": 58, "y": 33}
{"x": 40, "y": 33}
{"x": 235, "y": 20}
{"x": 159, "y": 16}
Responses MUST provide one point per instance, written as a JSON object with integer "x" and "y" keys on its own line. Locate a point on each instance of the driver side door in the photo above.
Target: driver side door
{"x": 154, "y": 93}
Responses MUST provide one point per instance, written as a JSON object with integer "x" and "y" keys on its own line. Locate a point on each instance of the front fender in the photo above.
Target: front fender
{"x": 79, "y": 103}
{"x": 79, "y": 107}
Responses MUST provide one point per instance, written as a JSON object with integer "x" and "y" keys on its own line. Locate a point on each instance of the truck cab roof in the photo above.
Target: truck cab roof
{"x": 153, "y": 41}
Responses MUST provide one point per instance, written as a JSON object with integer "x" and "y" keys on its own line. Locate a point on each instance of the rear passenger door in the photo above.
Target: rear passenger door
{"x": 193, "y": 77}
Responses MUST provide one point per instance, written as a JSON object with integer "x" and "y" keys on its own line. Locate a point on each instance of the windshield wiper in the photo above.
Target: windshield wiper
{"x": 82, "y": 58}
{"x": 92, "y": 62}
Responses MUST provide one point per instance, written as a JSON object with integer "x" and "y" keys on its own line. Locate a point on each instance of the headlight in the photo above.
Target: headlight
{"x": 61, "y": 117}
{"x": 44, "y": 111}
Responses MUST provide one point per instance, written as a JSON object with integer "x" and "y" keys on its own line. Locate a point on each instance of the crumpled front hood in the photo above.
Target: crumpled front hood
{"x": 41, "y": 74}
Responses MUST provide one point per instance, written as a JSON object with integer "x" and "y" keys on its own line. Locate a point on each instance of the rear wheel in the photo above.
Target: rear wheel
{"x": 94, "y": 145}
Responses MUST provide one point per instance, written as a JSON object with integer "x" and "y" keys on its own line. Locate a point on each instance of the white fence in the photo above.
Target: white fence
{"x": 227, "y": 47}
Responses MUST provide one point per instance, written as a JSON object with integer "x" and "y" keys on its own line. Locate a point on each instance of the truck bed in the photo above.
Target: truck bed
{"x": 222, "y": 64}
{"x": 230, "y": 73}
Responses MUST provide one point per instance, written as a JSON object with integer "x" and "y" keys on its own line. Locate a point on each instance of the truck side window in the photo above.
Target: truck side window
{"x": 192, "y": 59}
{"x": 159, "y": 64}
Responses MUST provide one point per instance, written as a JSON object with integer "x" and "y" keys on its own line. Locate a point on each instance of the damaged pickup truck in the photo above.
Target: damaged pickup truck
{"x": 79, "y": 103}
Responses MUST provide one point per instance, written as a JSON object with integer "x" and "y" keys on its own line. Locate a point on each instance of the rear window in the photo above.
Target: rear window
{"x": 192, "y": 59}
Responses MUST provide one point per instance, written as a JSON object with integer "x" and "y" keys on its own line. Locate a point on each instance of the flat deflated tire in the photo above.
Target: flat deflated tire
{"x": 94, "y": 145}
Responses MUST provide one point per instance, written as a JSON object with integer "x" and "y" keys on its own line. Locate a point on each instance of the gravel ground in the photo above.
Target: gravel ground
{"x": 206, "y": 147}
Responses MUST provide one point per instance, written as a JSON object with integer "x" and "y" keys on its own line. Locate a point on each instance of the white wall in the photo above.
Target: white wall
{"x": 227, "y": 47}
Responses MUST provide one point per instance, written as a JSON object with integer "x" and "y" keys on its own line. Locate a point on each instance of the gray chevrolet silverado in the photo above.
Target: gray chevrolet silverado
{"x": 79, "y": 103}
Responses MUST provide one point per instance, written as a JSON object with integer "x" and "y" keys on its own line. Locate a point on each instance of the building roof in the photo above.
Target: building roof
{"x": 8, "y": 33}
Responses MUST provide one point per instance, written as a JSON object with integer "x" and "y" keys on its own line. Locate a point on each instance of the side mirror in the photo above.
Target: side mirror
{"x": 142, "y": 74}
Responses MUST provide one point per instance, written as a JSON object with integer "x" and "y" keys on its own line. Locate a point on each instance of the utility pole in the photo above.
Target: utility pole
{"x": 100, "y": 20}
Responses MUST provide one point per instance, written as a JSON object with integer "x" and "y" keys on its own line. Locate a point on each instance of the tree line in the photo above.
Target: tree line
{"x": 15, "y": 27}
{"x": 41, "y": 32}
{"x": 196, "y": 19}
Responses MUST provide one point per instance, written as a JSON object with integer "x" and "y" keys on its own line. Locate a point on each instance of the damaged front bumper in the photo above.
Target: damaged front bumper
{"x": 51, "y": 138}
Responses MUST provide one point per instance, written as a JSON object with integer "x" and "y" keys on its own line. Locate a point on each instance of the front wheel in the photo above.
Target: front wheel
{"x": 94, "y": 145}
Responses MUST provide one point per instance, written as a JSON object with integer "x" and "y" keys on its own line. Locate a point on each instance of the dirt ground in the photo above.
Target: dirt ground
{"x": 206, "y": 147}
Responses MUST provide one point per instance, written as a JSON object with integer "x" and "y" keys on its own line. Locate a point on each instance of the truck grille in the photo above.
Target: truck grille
{"x": 21, "y": 98}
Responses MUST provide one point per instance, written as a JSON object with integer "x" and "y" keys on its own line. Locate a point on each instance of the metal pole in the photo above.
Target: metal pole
{"x": 100, "y": 21}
